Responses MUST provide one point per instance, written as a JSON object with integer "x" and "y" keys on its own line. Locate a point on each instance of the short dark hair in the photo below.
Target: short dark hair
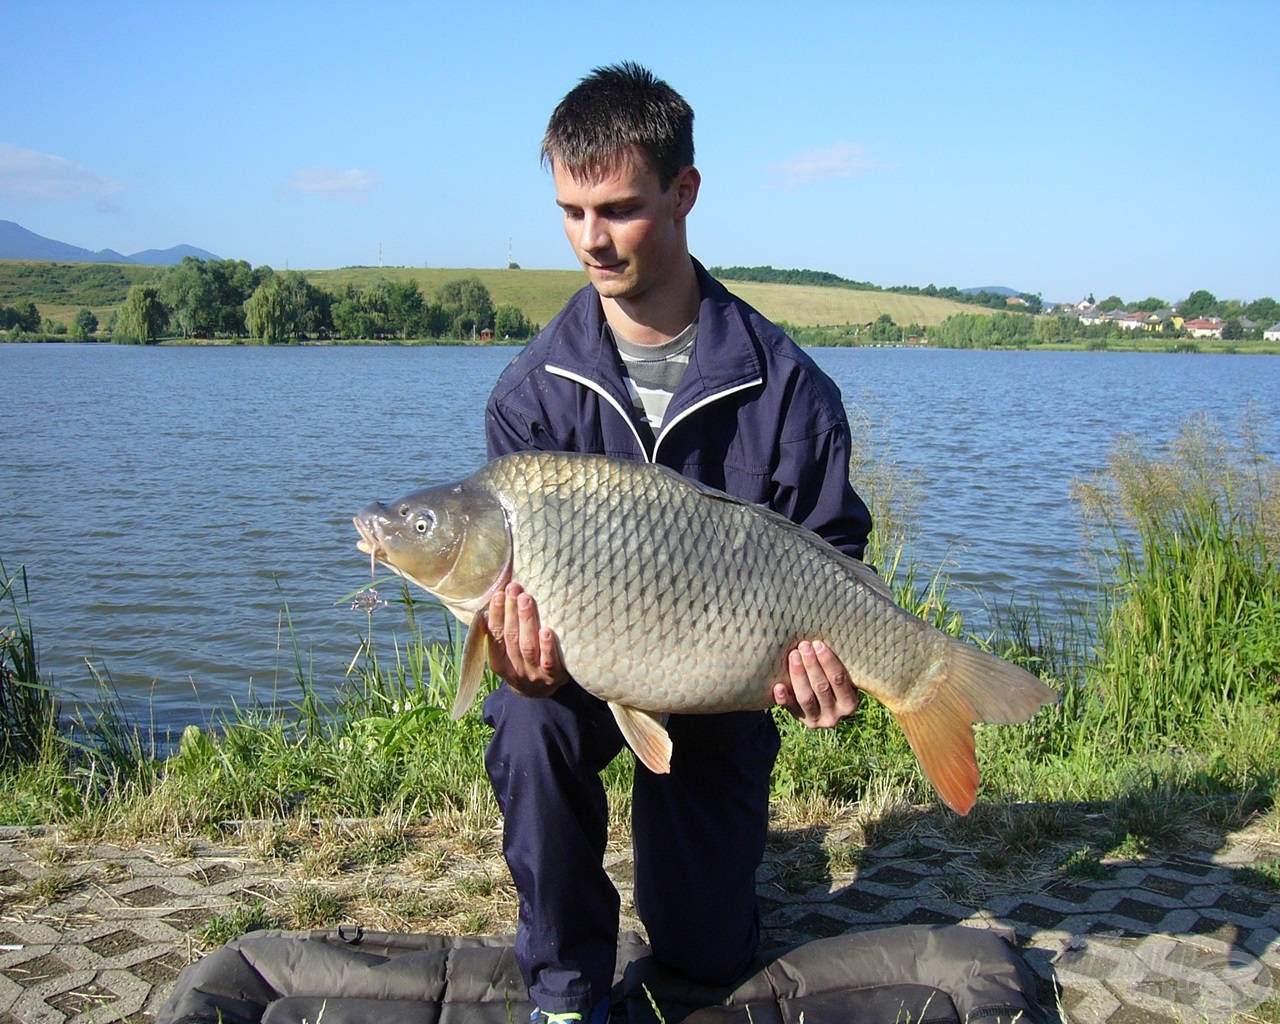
{"x": 614, "y": 109}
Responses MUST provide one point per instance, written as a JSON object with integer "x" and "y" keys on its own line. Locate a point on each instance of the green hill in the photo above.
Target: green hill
{"x": 59, "y": 290}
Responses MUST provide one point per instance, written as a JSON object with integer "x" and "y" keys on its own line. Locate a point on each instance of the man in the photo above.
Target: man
{"x": 654, "y": 360}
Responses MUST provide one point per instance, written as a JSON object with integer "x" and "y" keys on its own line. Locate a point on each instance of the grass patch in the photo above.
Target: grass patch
{"x": 313, "y": 907}
{"x": 1265, "y": 874}
{"x": 52, "y": 886}
{"x": 222, "y": 928}
{"x": 1087, "y": 863}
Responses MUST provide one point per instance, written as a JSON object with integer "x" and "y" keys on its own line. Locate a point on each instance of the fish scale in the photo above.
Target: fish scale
{"x": 668, "y": 596}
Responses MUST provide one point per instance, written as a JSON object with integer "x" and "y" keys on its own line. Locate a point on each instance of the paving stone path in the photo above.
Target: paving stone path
{"x": 100, "y": 933}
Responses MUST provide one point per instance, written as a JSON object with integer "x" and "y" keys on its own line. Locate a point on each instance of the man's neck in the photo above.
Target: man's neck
{"x": 661, "y": 313}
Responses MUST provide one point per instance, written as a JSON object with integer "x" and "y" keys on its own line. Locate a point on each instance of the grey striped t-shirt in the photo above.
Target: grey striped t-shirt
{"x": 652, "y": 373}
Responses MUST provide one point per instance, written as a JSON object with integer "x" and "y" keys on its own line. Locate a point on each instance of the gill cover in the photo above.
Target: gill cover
{"x": 452, "y": 541}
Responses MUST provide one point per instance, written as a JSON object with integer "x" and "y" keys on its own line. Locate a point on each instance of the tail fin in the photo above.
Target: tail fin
{"x": 973, "y": 687}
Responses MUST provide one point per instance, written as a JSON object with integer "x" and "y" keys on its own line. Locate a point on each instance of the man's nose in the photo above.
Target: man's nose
{"x": 593, "y": 233}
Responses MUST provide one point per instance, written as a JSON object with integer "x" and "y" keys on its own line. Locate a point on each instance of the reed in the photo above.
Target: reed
{"x": 28, "y": 706}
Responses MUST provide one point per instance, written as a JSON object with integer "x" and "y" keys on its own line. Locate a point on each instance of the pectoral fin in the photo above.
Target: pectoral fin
{"x": 646, "y": 735}
{"x": 475, "y": 656}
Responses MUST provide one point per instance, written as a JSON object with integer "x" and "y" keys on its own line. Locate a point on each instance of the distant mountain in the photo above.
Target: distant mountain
{"x": 991, "y": 289}
{"x": 17, "y": 243}
{"x": 168, "y": 257}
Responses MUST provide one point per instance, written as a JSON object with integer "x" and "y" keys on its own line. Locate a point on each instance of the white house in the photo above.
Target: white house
{"x": 1204, "y": 328}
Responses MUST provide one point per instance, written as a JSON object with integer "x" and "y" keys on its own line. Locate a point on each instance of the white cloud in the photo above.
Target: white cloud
{"x": 842, "y": 160}
{"x": 26, "y": 174}
{"x": 350, "y": 185}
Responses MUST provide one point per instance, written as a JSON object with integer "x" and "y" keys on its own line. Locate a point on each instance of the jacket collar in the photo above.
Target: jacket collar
{"x": 725, "y": 357}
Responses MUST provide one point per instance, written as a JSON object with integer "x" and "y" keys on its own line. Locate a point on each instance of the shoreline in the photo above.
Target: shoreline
{"x": 1181, "y": 347}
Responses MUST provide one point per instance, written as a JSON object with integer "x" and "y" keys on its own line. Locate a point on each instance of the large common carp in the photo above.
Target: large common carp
{"x": 668, "y": 596}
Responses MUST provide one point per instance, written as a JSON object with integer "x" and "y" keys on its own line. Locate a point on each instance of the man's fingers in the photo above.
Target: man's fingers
{"x": 806, "y": 686}
{"x": 784, "y": 696}
{"x": 549, "y": 649}
{"x": 497, "y": 651}
{"x": 526, "y": 620}
{"x": 820, "y": 692}
{"x": 511, "y": 619}
{"x": 522, "y": 653}
{"x": 842, "y": 696}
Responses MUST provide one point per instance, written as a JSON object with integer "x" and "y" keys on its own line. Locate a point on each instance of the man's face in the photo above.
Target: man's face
{"x": 627, "y": 232}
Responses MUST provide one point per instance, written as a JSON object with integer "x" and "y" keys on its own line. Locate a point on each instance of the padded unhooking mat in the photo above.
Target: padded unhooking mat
{"x": 921, "y": 974}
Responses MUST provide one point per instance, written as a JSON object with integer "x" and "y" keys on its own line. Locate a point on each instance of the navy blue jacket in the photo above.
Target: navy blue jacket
{"x": 753, "y": 415}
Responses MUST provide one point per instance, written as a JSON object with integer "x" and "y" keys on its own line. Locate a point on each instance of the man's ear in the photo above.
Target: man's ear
{"x": 686, "y": 186}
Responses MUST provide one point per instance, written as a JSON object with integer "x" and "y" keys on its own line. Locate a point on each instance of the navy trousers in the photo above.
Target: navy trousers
{"x": 698, "y": 837}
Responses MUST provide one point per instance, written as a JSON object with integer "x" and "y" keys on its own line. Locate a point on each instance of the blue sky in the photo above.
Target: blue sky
{"x": 1119, "y": 148}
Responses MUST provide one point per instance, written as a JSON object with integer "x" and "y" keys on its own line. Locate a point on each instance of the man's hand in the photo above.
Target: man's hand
{"x": 522, "y": 653}
{"x": 819, "y": 693}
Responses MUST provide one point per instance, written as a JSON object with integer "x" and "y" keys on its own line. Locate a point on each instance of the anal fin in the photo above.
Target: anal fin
{"x": 646, "y": 735}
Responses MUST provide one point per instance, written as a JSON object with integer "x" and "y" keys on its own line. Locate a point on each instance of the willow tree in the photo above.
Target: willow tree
{"x": 268, "y": 314}
{"x": 142, "y": 317}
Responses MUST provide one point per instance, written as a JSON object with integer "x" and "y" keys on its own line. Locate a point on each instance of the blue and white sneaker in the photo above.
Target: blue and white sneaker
{"x": 546, "y": 1017}
{"x": 599, "y": 1015}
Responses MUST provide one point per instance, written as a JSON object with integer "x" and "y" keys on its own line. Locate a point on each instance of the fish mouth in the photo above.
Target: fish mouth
{"x": 369, "y": 543}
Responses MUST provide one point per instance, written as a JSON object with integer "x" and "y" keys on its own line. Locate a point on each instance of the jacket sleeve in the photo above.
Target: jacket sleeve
{"x": 504, "y": 433}
{"x": 514, "y": 421}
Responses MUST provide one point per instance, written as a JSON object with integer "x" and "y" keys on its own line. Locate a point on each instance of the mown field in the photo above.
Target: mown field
{"x": 541, "y": 293}
{"x": 60, "y": 290}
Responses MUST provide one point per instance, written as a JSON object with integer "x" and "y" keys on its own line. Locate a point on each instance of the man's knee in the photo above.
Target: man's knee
{"x": 570, "y": 728}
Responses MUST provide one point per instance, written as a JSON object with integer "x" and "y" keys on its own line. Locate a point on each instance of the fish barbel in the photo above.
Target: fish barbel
{"x": 669, "y": 596}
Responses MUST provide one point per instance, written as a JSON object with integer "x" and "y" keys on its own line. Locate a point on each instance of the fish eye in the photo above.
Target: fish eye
{"x": 424, "y": 523}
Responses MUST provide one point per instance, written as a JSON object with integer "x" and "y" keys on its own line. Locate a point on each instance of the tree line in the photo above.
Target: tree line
{"x": 824, "y": 279}
{"x": 230, "y": 299}
{"x": 980, "y": 330}
{"x": 1201, "y": 303}
{"x": 26, "y": 320}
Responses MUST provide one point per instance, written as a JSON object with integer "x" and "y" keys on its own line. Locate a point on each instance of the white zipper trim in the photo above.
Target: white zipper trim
{"x": 586, "y": 382}
{"x": 593, "y": 386}
{"x": 666, "y": 427}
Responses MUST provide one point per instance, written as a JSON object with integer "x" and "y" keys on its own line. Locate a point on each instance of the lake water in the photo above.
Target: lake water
{"x": 168, "y": 503}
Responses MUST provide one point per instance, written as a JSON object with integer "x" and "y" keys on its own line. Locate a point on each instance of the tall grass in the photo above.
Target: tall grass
{"x": 383, "y": 744}
{"x": 1190, "y": 640}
